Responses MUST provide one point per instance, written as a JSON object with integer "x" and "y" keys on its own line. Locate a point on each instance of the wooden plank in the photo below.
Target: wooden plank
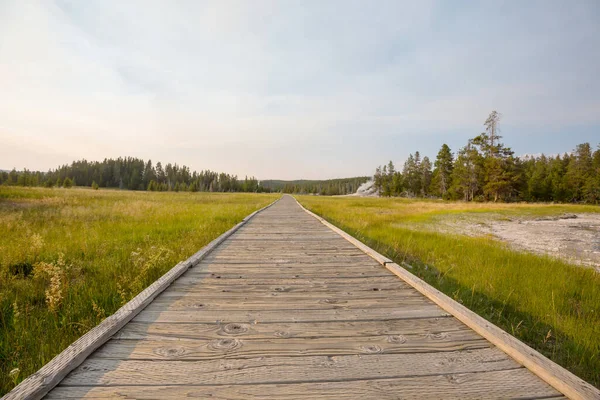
{"x": 287, "y": 273}
{"x": 285, "y": 258}
{"x": 203, "y": 294}
{"x": 277, "y": 237}
{"x": 241, "y": 347}
{"x": 263, "y": 370}
{"x": 159, "y": 331}
{"x": 423, "y": 311}
{"x": 226, "y": 286}
{"x": 274, "y": 303}
{"x": 277, "y": 268}
{"x": 350, "y": 283}
{"x": 282, "y": 246}
{"x": 42, "y": 381}
{"x": 322, "y": 253}
{"x": 478, "y": 385}
{"x": 552, "y": 373}
{"x": 208, "y": 276}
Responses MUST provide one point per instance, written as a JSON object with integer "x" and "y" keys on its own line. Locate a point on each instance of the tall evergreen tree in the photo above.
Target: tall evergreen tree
{"x": 579, "y": 170}
{"x": 442, "y": 174}
{"x": 412, "y": 174}
{"x": 425, "y": 172}
{"x": 467, "y": 172}
{"x": 592, "y": 185}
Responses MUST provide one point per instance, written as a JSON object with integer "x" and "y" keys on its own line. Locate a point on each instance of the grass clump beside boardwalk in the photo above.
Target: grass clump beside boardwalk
{"x": 549, "y": 304}
{"x": 71, "y": 257}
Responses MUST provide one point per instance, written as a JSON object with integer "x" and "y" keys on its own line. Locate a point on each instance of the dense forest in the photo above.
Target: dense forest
{"x": 137, "y": 174}
{"x": 486, "y": 170}
{"x": 133, "y": 174}
{"x": 331, "y": 187}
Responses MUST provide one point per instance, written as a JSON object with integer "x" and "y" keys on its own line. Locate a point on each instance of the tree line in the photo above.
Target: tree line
{"x": 132, "y": 174}
{"x": 487, "y": 170}
{"x": 330, "y": 187}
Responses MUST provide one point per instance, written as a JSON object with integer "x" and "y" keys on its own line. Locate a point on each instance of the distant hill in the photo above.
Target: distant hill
{"x": 328, "y": 187}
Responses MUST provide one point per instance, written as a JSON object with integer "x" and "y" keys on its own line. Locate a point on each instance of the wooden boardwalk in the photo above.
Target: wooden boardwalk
{"x": 287, "y": 308}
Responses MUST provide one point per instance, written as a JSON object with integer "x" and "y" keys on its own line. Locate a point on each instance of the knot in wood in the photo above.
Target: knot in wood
{"x": 282, "y": 289}
{"x": 437, "y": 335}
{"x": 283, "y": 334}
{"x": 234, "y": 329}
{"x": 371, "y": 349}
{"x": 331, "y": 301}
{"x": 226, "y": 345}
{"x": 195, "y": 305}
{"x": 398, "y": 339}
{"x": 170, "y": 351}
{"x": 455, "y": 379}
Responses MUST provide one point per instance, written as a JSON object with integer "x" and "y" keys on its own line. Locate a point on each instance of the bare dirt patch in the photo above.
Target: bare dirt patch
{"x": 571, "y": 237}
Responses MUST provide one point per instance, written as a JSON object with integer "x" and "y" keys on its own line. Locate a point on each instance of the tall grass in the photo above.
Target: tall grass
{"x": 71, "y": 257}
{"x": 549, "y": 304}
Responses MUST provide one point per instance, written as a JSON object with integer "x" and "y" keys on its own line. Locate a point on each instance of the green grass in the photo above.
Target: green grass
{"x": 549, "y": 304}
{"x": 71, "y": 257}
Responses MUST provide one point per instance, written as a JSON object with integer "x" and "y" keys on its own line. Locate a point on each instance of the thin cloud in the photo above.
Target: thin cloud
{"x": 298, "y": 89}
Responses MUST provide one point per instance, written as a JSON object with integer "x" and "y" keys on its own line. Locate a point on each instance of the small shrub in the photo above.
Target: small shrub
{"x": 21, "y": 270}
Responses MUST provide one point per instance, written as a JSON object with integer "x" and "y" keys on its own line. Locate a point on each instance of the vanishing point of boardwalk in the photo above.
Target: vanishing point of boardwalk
{"x": 285, "y": 307}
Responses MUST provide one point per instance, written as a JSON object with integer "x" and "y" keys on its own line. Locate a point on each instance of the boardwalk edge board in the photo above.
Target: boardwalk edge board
{"x": 46, "y": 378}
{"x": 556, "y": 376}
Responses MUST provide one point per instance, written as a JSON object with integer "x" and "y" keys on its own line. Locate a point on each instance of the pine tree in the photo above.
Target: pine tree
{"x": 442, "y": 174}
{"x": 538, "y": 184}
{"x": 377, "y": 180}
{"x": 425, "y": 172}
{"x": 387, "y": 179}
{"x": 592, "y": 184}
{"x": 497, "y": 160}
{"x": 467, "y": 171}
{"x": 579, "y": 170}
{"x": 412, "y": 174}
{"x": 491, "y": 127}
{"x": 149, "y": 174}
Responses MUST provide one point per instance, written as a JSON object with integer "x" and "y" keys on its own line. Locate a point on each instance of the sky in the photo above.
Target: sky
{"x": 292, "y": 89}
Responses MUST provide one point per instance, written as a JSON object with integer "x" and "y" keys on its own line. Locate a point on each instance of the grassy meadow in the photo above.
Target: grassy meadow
{"x": 71, "y": 257}
{"x": 549, "y": 304}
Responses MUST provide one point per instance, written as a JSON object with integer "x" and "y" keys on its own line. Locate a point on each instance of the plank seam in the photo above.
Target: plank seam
{"x": 46, "y": 378}
{"x": 556, "y": 376}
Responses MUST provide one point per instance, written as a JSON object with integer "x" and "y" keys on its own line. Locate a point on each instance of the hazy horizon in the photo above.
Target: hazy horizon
{"x": 291, "y": 90}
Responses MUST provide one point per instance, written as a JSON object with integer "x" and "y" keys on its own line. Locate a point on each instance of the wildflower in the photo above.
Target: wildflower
{"x": 54, "y": 293}
{"x": 36, "y": 242}
{"x": 100, "y": 313}
{"x": 122, "y": 293}
{"x": 16, "y": 312}
{"x": 14, "y": 374}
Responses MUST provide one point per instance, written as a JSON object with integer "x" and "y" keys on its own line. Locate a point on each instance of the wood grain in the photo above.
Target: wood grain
{"x": 210, "y": 331}
{"x": 477, "y": 385}
{"x": 269, "y": 316}
{"x": 261, "y": 370}
{"x": 241, "y": 347}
